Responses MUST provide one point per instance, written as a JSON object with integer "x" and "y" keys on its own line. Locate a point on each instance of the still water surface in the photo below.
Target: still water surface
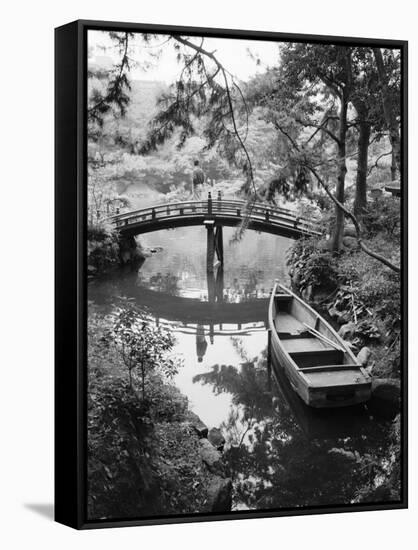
{"x": 278, "y": 452}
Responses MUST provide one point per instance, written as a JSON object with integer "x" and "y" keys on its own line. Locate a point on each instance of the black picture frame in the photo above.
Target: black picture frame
{"x": 70, "y": 270}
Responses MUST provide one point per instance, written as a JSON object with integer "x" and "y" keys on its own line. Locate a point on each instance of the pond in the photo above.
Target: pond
{"x": 278, "y": 452}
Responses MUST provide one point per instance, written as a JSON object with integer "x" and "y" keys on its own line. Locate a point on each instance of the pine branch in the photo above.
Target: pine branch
{"x": 223, "y": 71}
{"x": 319, "y": 127}
{"x": 114, "y": 92}
{"x": 287, "y": 135}
{"x": 376, "y": 165}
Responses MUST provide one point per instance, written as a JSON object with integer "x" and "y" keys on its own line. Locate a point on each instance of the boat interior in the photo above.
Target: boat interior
{"x": 310, "y": 346}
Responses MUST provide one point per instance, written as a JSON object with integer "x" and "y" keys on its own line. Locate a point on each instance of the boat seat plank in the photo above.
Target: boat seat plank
{"x": 282, "y": 297}
{"x": 306, "y": 344}
{"x": 290, "y": 336}
{"x": 335, "y": 378}
{"x": 316, "y": 358}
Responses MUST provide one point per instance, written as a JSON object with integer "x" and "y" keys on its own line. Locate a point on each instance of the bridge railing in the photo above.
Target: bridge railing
{"x": 213, "y": 207}
{"x": 217, "y": 204}
{"x": 172, "y": 210}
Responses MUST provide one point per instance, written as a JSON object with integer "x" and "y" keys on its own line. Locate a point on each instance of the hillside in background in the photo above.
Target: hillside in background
{"x": 142, "y": 179}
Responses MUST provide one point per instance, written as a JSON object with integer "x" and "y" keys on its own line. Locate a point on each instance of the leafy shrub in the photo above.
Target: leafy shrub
{"x": 142, "y": 458}
{"x": 321, "y": 271}
{"x": 381, "y": 474}
{"x": 383, "y": 216}
{"x": 366, "y": 332}
{"x": 142, "y": 345}
{"x": 312, "y": 265}
{"x": 165, "y": 401}
{"x": 384, "y": 295}
{"x": 322, "y": 201}
{"x": 376, "y": 289}
{"x": 96, "y": 233}
{"x": 118, "y": 435}
{"x": 387, "y": 360}
{"x": 102, "y": 248}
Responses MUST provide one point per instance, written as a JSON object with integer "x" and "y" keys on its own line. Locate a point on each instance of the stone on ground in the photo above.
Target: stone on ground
{"x": 364, "y": 356}
{"x": 347, "y": 330}
{"x": 200, "y": 428}
{"x": 216, "y": 438}
{"x": 220, "y": 494}
{"x": 211, "y": 457}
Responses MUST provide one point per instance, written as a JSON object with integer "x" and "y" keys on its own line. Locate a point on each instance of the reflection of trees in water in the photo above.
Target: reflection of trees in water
{"x": 271, "y": 461}
{"x": 167, "y": 283}
{"x": 246, "y": 288}
{"x": 251, "y": 283}
{"x": 239, "y": 347}
{"x": 246, "y": 384}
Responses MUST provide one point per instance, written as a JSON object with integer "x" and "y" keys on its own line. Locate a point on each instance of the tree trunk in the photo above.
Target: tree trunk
{"x": 337, "y": 237}
{"x": 393, "y": 170}
{"x": 387, "y": 107}
{"x": 360, "y": 201}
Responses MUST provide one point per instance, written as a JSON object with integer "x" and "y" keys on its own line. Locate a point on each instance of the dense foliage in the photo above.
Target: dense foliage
{"x": 352, "y": 287}
{"x": 102, "y": 249}
{"x": 143, "y": 455}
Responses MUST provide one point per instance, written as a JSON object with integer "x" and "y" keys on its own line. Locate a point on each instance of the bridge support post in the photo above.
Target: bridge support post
{"x": 219, "y": 284}
{"x": 210, "y": 279}
{"x": 210, "y": 248}
{"x": 219, "y": 244}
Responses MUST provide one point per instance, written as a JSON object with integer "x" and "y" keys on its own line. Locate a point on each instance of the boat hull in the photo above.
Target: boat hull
{"x": 320, "y": 387}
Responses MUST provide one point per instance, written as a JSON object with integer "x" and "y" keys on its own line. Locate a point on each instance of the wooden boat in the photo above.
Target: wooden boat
{"x": 320, "y": 366}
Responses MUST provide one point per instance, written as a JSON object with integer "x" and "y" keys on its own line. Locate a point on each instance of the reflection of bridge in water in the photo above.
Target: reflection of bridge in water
{"x": 204, "y": 319}
{"x": 191, "y": 311}
{"x": 213, "y": 329}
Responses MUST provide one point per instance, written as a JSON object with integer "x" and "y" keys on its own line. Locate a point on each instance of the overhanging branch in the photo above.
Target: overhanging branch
{"x": 319, "y": 127}
{"x": 223, "y": 71}
{"x": 356, "y": 224}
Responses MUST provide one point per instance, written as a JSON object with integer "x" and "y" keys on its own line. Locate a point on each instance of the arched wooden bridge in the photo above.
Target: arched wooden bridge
{"x": 217, "y": 213}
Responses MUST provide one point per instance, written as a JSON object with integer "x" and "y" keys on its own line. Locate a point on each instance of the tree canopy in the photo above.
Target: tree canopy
{"x": 308, "y": 121}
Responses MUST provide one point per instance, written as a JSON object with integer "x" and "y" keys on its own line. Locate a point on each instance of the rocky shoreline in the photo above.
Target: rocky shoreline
{"x": 211, "y": 443}
{"x": 108, "y": 252}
